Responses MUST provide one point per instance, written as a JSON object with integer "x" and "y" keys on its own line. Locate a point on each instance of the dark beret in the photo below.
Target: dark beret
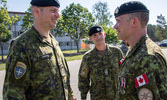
{"x": 95, "y": 29}
{"x": 44, "y": 3}
{"x": 130, "y": 7}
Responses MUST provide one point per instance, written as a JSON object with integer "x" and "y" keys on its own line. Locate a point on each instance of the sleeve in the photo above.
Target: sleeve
{"x": 16, "y": 81}
{"x": 156, "y": 74}
{"x": 84, "y": 79}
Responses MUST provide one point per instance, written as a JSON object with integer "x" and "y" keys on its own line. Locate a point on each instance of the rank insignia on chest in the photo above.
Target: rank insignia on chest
{"x": 121, "y": 61}
{"x": 141, "y": 80}
{"x": 20, "y": 69}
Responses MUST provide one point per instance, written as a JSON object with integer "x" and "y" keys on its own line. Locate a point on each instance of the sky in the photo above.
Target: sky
{"x": 156, "y": 7}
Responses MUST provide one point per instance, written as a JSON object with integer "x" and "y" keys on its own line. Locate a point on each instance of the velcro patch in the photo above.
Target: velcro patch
{"x": 84, "y": 71}
{"x": 141, "y": 80}
{"x": 19, "y": 70}
{"x": 145, "y": 94}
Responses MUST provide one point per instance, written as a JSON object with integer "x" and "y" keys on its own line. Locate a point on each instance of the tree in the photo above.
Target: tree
{"x": 161, "y": 27}
{"x": 151, "y": 31}
{"x": 5, "y": 24}
{"x": 101, "y": 13}
{"x": 59, "y": 30}
{"x": 111, "y": 35}
{"x": 27, "y": 20}
{"x": 76, "y": 21}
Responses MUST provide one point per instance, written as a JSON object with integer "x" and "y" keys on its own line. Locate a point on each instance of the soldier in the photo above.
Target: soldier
{"x": 36, "y": 68}
{"x": 143, "y": 75}
{"x": 99, "y": 68}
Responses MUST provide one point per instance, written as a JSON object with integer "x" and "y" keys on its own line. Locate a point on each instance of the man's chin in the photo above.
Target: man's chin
{"x": 54, "y": 26}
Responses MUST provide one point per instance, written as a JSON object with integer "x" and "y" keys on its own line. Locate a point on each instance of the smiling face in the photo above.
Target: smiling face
{"x": 48, "y": 16}
{"x": 98, "y": 38}
{"x": 123, "y": 27}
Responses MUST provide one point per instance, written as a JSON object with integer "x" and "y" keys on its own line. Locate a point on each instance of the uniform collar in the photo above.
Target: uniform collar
{"x": 39, "y": 36}
{"x": 137, "y": 45}
{"x": 107, "y": 50}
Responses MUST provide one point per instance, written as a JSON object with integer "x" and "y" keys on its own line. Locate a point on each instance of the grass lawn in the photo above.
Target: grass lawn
{"x": 77, "y": 57}
{"x": 74, "y": 51}
{"x": 2, "y": 66}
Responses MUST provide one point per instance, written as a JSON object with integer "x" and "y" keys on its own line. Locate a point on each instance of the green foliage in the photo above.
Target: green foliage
{"x": 111, "y": 35}
{"x": 27, "y": 20}
{"x": 5, "y": 24}
{"x": 102, "y": 14}
{"x": 76, "y": 57}
{"x": 151, "y": 31}
{"x": 161, "y": 21}
{"x": 59, "y": 30}
{"x": 75, "y": 22}
{"x": 161, "y": 29}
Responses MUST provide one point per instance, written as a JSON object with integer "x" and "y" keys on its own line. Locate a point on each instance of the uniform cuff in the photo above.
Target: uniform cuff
{"x": 83, "y": 96}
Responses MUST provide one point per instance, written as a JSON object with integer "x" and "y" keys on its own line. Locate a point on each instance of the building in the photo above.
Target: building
{"x": 66, "y": 43}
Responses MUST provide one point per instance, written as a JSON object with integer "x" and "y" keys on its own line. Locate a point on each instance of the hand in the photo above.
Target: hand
{"x": 73, "y": 98}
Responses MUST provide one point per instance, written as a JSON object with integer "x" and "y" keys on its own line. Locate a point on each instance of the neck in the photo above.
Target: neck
{"x": 42, "y": 30}
{"x": 101, "y": 47}
{"x": 138, "y": 34}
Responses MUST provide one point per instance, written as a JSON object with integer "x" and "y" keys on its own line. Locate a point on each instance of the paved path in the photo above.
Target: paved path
{"x": 2, "y": 75}
{"x": 74, "y": 68}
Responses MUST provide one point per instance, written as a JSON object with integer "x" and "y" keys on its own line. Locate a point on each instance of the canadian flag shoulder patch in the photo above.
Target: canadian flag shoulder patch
{"x": 141, "y": 80}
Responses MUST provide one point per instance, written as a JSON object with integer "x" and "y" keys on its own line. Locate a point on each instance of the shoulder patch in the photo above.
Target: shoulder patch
{"x": 145, "y": 94}
{"x": 141, "y": 80}
{"x": 19, "y": 70}
{"x": 84, "y": 71}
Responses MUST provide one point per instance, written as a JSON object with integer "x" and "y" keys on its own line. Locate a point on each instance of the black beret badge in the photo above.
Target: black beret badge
{"x": 19, "y": 70}
{"x": 116, "y": 10}
{"x": 98, "y": 29}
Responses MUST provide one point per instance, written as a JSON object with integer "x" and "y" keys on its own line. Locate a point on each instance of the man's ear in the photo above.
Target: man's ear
{"x": 36, "y": 11}
{"x": 104, "y": 34}
{"x": 90, "y": 38}
{"x": 135, "y": 22}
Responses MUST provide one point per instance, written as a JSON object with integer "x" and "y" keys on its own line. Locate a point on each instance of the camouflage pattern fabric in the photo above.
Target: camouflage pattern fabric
{"x": 146, "y": 58}
{"x": 98, "y": 74}
{"x": 36, "y": 70}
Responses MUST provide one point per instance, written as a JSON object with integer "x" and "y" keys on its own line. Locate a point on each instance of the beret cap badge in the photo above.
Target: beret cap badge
{"x": 98, "y": 29}
{"x": 95, "y": 29}
{"x": 117, "y": 10}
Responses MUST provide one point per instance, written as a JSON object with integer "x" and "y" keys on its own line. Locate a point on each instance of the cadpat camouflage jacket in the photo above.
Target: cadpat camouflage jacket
{"x": 144, "y": 74}
{"x": 99, "y": 74}
{"x": 36, "y": 70}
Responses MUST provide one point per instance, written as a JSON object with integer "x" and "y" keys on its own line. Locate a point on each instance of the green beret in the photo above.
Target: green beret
{"x": 44, "y": 3}
{"x": 95, "y": 29}
{"x": 130, "y": 7}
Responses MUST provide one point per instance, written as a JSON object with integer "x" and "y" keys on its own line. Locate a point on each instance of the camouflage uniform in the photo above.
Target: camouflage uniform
{"x": 99, "y": 74}
{"x": 36, "y": 70}
{"x": 144, "y": 58}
